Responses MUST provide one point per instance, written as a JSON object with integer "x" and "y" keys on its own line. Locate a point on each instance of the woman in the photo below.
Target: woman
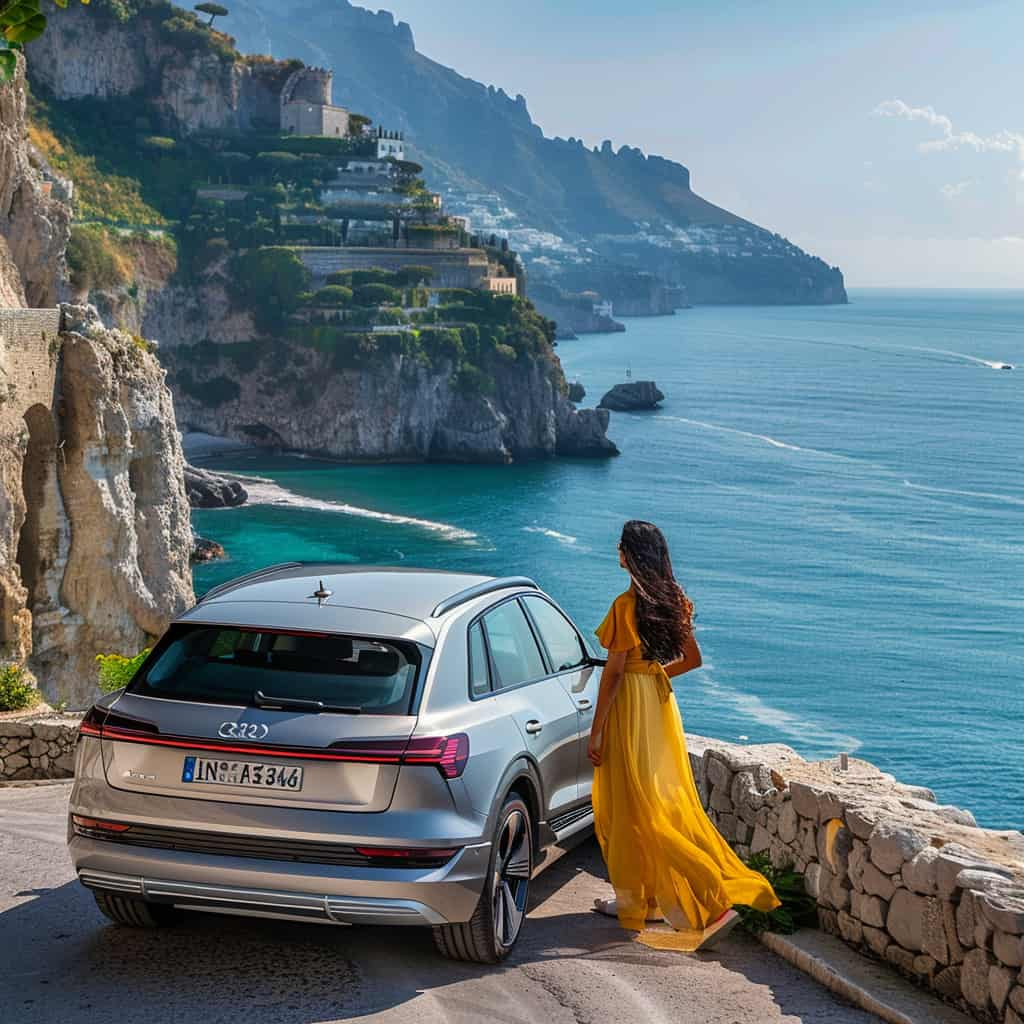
{"x": 665, "y": 858}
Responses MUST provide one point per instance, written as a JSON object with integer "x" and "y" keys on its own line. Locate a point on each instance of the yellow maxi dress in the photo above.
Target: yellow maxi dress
{"x": 656, "y": 839}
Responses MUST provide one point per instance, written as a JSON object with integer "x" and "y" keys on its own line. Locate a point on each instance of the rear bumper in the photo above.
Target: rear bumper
{"x": 448, "y": 894}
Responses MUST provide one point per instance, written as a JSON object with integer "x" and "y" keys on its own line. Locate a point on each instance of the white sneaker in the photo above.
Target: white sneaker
{"x": 717, "y": 930}
{"x": 610, "y": 908}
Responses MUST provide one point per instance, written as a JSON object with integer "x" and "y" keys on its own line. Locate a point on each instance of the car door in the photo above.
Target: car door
{"x": 538, "y": 702}
{"x": 571, "y": 661}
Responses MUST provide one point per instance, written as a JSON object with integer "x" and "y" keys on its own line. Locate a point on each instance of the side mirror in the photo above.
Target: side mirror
{"x": 596, "y": 662}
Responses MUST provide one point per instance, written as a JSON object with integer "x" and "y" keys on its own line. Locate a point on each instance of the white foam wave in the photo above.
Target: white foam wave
{"x": 986, "y": 495}
{"x": 267, "y": 492}
{"x": 562, "y": 538}
{"x": 773, "y": 441}
{"x": 992, "y": 364}
{"x": 807, "y": 734}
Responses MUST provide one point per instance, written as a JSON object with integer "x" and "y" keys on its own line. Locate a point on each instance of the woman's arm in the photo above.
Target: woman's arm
{"x": 690, "y": 659}
{"x": 611, "y": 677}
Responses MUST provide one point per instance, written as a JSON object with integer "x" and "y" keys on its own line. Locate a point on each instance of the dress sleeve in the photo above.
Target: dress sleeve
{"x": 618, "y": 630}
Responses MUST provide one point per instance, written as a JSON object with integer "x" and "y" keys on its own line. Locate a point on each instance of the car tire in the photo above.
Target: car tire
{"x": 135, "y": 913}
{"x": 489, "y": 935}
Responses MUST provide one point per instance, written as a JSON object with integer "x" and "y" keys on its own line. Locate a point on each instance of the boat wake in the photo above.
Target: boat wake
{"x": 811, "y": 737}
{"x": 773, "y": 441}
{"x": 267, "y": 492}
{"x": 992, "y": 364}
{"x": 1007, "y": 499}
{"x": 562, "y": 538}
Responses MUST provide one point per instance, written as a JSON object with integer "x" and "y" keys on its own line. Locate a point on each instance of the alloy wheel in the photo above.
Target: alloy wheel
{"x": 511, "y": 884}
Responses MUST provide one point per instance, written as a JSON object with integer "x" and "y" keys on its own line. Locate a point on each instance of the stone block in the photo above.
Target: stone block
{"x": 1017, "y": 997}
{"x": 947, "y": 983}
{"x": 37, "y": 747}
{"x": 829, "y": 806}
{"x": 1000, "y": 983}
{"x": 850, "y": 928}
{"x": 718, "y": 773}
{"x": 920, "y": 873}
{"x": 983, "y": 932}
{"x": 956, "y": 950}
{"x": 900, "y": 958}
{"x": 66, "y": 763}
{"x": 780, "y": 854}
{"x": 18, "y": 729}
{"x": 805, "y": 800}
{"x": 905, "y": 920}
{"x": 14, "y": 762}
{"x": 877, "y": 884}
{"x": 827, "y": 921}
{"x": 974, "y": 978}
{"x": 1008, "y": 949}
{"x": 743, "y": 791}
{"x": 1012, "y": 1018}
{"x": 891, "y": 845}
{"x": 965, "y": 920}
{"x": 762, "y": 840}
{"x": 720, "y": 800}
{"x": 978, "y": 880}
{"x": 788, "y": 822}
{"x": 1004, "y": 911}
{"x": 772, "y": 824}
{"x": 871, "y": 910}
{"x": 856, "y": 863}
{"x": 809, "y": 841}
{"x": 877, "y": 940}
{"x": 954, "y": 858}
{"x": 727, "y": 826}
{"x": 860, "y": 820}
{"x": 812, "y": 880}
{"x": 746, "y": 813}
{"x": 762, "y": 817}
{"x": 933, "y": 931}
{"x": 924, "y": 965}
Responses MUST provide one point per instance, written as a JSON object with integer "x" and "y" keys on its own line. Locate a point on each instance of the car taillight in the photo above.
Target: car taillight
{"x": 448, "y": 753}
{"x": 406, "y": 854}
{"x": 92, "y": 724}
{"x": 97, "y": 824}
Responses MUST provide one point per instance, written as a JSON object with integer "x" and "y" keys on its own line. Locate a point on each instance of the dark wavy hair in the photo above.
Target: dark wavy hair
{"x": 664, "y": 614}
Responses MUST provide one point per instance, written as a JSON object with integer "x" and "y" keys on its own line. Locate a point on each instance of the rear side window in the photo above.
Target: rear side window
{"x": 265, "y": 668}
{"x": 564, "y": 647}
{"x": 514, "y": 652}
{"x": 479, "y": 674}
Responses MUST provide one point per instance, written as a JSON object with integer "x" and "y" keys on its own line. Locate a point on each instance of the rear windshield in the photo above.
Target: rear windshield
{"x": 267, "y": 668}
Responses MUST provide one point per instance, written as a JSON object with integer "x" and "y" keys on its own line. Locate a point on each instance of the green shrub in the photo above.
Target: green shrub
{"x": 333, "y": 295}
{"x": 116, "y": 671}
{"x": 16, "y": 692}
{"x": 506, "y": 352}
{"x": 471, "y": 380}
{"x": 376, "y": 295}
{"x": 96, "y": 258}
{"x": 389, "y": 316}
{"x": 342, "y": 277}
{"x": 374, "y": 275}
{"x": 414, "y": 274}
{"x": 798, "y": 908}
{"x": 271, "y": 282}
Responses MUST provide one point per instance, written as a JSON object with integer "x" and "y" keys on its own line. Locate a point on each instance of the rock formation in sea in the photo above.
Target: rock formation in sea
{"x": 206, "y": 489}
{"x": 631, "y": 396}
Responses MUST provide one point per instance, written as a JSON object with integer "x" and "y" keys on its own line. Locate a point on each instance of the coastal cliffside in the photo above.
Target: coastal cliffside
{"x": 94, "y": 522}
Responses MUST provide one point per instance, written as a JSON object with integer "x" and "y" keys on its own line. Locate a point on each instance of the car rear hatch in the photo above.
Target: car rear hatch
{"x": 266, "y": 716}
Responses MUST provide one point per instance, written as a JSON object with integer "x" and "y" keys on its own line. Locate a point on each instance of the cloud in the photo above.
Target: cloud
{"x": 957, "y": 190}
{"x": 1004, "y": 141}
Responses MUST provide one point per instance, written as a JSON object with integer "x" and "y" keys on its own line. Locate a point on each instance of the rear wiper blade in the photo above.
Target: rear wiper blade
{"x": 266, "y": 700}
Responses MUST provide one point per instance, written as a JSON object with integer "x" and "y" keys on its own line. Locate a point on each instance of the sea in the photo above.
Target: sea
{"x": 842, "y": 488}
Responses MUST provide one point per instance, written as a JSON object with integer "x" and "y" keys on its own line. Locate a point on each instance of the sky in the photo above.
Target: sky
{"x": 887, "y": 138}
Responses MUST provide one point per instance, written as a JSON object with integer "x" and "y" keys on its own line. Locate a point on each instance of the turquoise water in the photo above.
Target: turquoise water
{"x": 842, "y": 489}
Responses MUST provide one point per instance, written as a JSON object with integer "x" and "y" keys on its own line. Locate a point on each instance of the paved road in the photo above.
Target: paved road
{"x": 61, "y": 961}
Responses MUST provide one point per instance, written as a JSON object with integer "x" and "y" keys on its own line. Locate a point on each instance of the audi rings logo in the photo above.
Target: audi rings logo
{"x": 242, "y": 731}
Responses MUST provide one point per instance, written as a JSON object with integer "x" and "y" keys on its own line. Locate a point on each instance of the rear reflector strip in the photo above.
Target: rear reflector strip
{"x": 98, "y": 825}
{"x": 448, "y": 754}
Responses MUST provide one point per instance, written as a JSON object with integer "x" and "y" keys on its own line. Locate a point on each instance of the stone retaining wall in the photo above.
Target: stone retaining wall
{"x": 896, "y": 875}
{"x": 38, "y": 748}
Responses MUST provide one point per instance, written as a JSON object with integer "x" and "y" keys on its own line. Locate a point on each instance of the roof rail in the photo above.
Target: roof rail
{"x": 251, "y": 577}
{"x": 479, "y": 589}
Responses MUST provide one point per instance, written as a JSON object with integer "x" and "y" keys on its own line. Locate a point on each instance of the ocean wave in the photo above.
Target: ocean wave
{"x": 1008, "y": 499}
{"x": 562, "y": 538}
{"x": 808, "y": 734}
{"x": 773, "y": 441}
{"x": 992, "y": 364}
{"x": 266, "y": 492}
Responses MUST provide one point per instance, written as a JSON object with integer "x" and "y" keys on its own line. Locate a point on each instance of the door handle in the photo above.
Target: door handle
{"x": 533, "y": 727}
{"x": 583, "y": 703}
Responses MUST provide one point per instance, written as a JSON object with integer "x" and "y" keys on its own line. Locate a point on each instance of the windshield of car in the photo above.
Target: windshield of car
{"x": 270, "y": 668}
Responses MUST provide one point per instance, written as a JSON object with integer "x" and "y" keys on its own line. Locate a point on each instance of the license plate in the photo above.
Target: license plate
{"x": 251, "y": 774}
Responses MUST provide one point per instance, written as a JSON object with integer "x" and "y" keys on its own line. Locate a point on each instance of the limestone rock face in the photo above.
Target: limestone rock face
{"x": 97, "y": 554}
{"x": 631, "y": 396}
{"x": 35, "y": 216}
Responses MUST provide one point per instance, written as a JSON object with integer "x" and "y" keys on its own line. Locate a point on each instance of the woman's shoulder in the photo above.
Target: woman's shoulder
{"x": 626, "y": 601}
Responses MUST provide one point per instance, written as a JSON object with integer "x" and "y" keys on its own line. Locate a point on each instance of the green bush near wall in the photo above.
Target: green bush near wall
{"x": 115, "y": 671}
{"x": 16, "y": 692}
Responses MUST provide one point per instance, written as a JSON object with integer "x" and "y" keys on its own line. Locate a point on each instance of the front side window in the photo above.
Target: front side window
{"x": 266, "y": 668}
{"x": 514, "y": 652}
{"x": 564, "y": 647}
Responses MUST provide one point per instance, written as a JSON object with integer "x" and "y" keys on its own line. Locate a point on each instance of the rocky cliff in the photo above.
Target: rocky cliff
{"x": 94, "y": 523}
{"x": 398, "y": 411}
{"x": 195, "y": 78}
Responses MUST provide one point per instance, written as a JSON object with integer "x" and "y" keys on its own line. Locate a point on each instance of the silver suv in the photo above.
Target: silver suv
{"x": 362, "y": 746}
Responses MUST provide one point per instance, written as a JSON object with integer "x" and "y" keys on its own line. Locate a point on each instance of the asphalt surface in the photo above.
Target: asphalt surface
{"x": 60, "y": 960}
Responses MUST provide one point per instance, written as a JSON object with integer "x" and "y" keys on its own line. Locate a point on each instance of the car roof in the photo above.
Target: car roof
{"x": 409, "y": 592}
